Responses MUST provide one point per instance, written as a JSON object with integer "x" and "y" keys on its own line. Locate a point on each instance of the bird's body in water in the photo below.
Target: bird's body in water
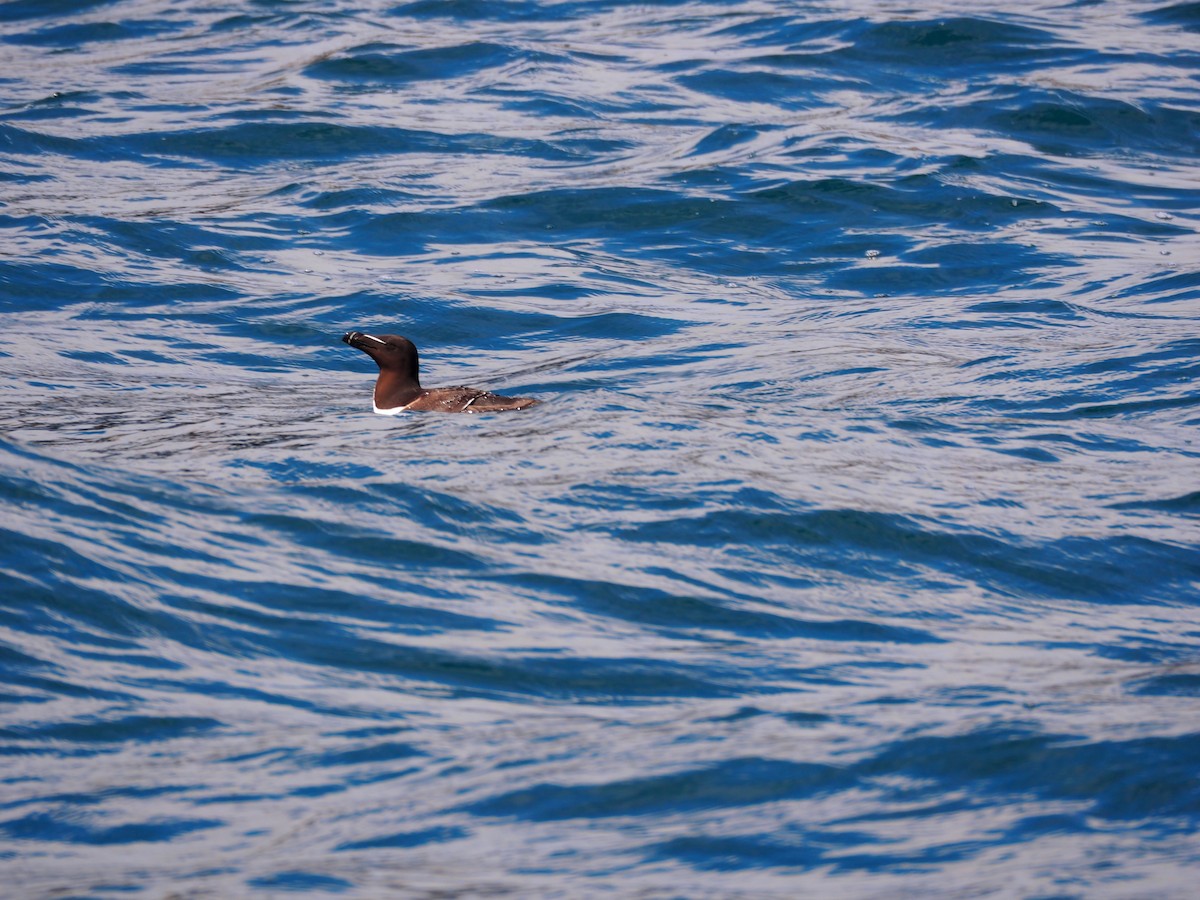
{"x": 398, "y": 388}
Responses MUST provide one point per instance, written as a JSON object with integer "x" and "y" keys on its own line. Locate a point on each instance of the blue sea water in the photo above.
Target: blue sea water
{"x": 853, "y": 551}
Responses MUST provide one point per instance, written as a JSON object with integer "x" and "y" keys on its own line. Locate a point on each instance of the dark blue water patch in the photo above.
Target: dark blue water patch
{"x": 1033, "y": 454}
{"x": 126, "y": 729}
{"x": 292, "y": 470}
{"x": 244, "y": 22}
{"x": 11, "y": 657}
{"x": 889, "y": 57}
{"x": 51, "y": 286}
{"x": 440, "y": 327}
{"x": 65, "y": 602}
{"x": 407, "y": 839}
{"x": 1169, "y": 287}
{"x": 683, "y": 18}
{"x": 579, "y": 679}
{"x": 724, "y": 137}
{"x": 548, "y": 290}
{"x": 59, "y": 105}
{"x": 1027, "y": 312}
{"x": 1120, "y": 569}
{"x": 392, "y": 64}
{"x": 1044, "y": 181}
{"x": 1185, "y": 504}
{"x": 17, "y": 10}
{"x": 1173, "y": 361}
{"x": 28, "y": 142}
{"x": 1029, "y": 316}
{"x": 741, "y": 714}
{"x": 881, "y": 546}
{"x": 450, "y": 326}
{"x": 301, "y": 882}
{"x": 413, "y": 232}
{"x": 1181, "y": 684}
{"x": 1142, "y": 651}
{"x": 278, "y": 602}
{"x": 715, "y": 234}
{"x": 1119, "y": 780}
{"x": 956, "y": 267}
{"x": 1070, "y": 124}
{"x": 700, "y": 232}
{"x": 300, "y": 344}
{"x": 93, "y": 356}
{"x": 1083, "y": 409}
{"x": 954, "y": 46}
{"x": 144, "y": 659}
{"x": 806, "y": 719}
{"x": 100, "y": 797}
{"x": 619, "y": 326}
{"x": 194, "y": 245}
{"x": 694, "y": 616}
{"x": 382, "y": 752}
{"x": 374, "y": 731}
{"x": 808, "y": 849}
{"x": 23, "y": 178}
{"x": 237, "y": 632}
{"x": 108, "y": 888}
{"x": 632, "y": 213}
{"x": 67, "y": 829}
{"x": 846, "y": 152}
{"x": 538, "y": 105}
{"x": 1185, "y": 15}
{"x": 824, "y": 849}
{"x": 919, "y": 199}
{"x": 624, "y": 497}
{"x": 38, "y": 679}
{"x": 799, "y": 719}
{"x": 268, "y": 143}
{"x": 375, "y": 198}
{"x": 1116, "y": 781}
{"x": 786, "y": 91}
{"x": 317, "y": 790}
{"x": 688, "y": 357}
{"x": 223, "y": 690}
{"x": 368, "y": 546}
{"x": 1120, "y": 384}
{"x": 480, "y": 10}
{"x": 790, "y": 32}
{"x": 440, "y": 510}
{"x": 74, "y": 35}
{"x": 393, "y": 234}
{"x": 725, "y": 784}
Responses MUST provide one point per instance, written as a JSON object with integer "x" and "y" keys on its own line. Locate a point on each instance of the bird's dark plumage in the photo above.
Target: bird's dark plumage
{"x": 398, "y": 388}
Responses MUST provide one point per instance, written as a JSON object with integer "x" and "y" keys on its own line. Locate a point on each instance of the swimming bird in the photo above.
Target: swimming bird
{"x": 398, "y": 388}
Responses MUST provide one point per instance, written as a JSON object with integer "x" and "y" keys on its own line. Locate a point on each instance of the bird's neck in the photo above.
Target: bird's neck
{"x": 393, "y": 390}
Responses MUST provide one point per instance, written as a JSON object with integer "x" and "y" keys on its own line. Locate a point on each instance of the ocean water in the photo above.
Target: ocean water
{"x": 853, "y": 551}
